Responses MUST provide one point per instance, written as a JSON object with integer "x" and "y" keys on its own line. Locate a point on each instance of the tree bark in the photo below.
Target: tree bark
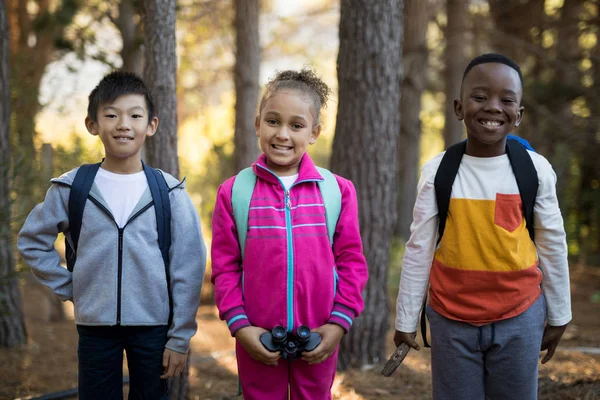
{"x": 365, "y": 151}
{"x": 32, "y": 47}
{"x": 247, "y": 68}
{"x": 12, "y": 327}
{"x": 160, "y": 72}
{"x": 132, "y": 36}
{"x": 455, "y": 61}
{"x": 414, "y": 60}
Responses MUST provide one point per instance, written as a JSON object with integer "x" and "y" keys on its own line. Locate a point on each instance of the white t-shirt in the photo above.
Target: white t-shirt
{"x": 482, "y": 178}
{"x": 288, "y": 181}
{"x": 121, "y": 191}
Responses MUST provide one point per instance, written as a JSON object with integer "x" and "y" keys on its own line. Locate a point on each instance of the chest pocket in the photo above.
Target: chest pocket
{"x": 508, "y": 211}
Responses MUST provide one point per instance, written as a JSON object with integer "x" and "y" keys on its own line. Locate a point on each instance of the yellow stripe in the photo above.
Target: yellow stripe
{"x": 472, "y": 241}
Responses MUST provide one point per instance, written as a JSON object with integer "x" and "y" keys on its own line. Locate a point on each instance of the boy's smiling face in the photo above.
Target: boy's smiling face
{"x": 123, "y": 127}
{"x": 490, "y": 106}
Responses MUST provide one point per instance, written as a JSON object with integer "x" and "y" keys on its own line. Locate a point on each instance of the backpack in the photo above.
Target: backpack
{"x": 525, "y": 175}
{"x": 80, "y": 189}
{"x": 241, "y": 194}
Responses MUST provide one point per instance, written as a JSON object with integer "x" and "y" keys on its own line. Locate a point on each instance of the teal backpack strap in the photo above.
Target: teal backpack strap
{"x": 241, "y": 194}
{"x": 332, "y": 199}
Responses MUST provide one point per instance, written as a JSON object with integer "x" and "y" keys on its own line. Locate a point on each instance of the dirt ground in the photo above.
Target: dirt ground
{"x": 48, "y": 363}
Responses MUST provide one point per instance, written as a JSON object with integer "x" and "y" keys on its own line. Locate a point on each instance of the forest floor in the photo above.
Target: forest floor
{"x": 48, "y": 363}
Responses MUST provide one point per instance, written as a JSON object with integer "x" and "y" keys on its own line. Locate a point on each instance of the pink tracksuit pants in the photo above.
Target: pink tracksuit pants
{"x": 266, "y": 382}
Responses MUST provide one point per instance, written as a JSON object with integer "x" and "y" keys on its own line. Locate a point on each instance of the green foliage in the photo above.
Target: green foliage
{"x": 204, "y": 182}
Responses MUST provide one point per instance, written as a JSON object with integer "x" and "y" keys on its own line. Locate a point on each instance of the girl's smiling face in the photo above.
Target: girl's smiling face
{"x": 285, "y": 128}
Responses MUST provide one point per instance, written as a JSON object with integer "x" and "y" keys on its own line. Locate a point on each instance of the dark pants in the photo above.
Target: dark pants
{"x": 101, "y": 362}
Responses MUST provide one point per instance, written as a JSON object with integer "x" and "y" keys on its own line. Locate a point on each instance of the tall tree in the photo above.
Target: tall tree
{"x": 364, "y": 150}
{"x": 414, "y": 61}
{"x": 247, "y": 67}
{"x": 35, "y": 41}
{"x": 129, "y": 24}
{"x": 455, "y": 59}
{"x": 12, "y": 327}
{"x": 160, "y": 74}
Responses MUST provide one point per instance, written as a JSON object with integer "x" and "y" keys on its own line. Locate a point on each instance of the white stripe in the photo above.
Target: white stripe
{"x": 267, "y": 207}
{"x": 266, "y": 227}
{"x": 298, "y": 226}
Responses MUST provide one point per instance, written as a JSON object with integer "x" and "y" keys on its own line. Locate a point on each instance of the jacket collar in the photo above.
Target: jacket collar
{"x": 306, "y": 172}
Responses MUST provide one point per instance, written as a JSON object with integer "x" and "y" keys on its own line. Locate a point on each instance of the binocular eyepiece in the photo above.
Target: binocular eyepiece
{"x": 290, "y": 346}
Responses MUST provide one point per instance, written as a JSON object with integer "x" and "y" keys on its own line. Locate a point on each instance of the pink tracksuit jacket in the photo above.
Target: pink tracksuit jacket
{"x": 290, "y": 274}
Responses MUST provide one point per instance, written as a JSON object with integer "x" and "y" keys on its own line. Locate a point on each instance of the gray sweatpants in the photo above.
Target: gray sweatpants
{"x": 493, "y": 362}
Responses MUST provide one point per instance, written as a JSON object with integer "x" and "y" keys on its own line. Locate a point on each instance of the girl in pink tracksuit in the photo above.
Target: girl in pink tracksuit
{"x": 290, "y": 274}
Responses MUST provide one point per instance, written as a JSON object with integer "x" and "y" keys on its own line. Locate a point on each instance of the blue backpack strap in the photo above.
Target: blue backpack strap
{"x": 527, "y": 180}
{"x": 162, "y": 209}
{"x": 80, "y": 189}
{"x": 332, "y": 199}
{"x": 241, "y": 194}
{"x": 524, "y": 142}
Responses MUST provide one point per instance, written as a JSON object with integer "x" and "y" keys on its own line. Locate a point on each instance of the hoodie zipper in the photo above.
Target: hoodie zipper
{"x": 120, "y": 249}
{"x": 290, "y": 247}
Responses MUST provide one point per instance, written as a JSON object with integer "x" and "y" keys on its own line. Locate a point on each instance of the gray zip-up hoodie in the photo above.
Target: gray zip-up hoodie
{"x": 120, "y": 277}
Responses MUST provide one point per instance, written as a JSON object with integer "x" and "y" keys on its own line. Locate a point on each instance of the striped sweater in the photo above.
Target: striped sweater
{"x": 486, "y": 268}
{"x": 290, "y": 274}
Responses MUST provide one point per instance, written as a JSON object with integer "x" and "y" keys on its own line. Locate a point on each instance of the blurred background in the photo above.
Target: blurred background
{"x": 394, "y": 66}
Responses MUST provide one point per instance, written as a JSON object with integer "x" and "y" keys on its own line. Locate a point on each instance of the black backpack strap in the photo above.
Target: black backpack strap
{"x": 162, "y": 209}
{"x": 444, "y": 179}
{"x": 527, "y": 180}
{"x": 424, "y": 323}
{"x": 80, "y": 189}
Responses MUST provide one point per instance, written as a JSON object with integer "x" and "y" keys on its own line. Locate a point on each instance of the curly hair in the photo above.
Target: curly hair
{"x": 305, "y": 81}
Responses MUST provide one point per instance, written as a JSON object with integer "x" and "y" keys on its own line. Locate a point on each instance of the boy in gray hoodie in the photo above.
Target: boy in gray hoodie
{"x": 119, "y": 284}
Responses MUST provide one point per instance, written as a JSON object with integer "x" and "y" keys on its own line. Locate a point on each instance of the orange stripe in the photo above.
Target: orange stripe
{"x": 482, "y": 296}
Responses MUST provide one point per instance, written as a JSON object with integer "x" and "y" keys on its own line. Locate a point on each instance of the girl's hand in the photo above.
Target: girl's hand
{"x": 249, "y": 338}
{"x": 331, "y": 334}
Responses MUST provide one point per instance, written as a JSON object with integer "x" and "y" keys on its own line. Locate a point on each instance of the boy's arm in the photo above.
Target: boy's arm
{"x": 36, "y": 242}
{"x": 349, "y": 259}
{"x": 418, "y": 254}
{"x": 226, "y": 262}
{"x": 551, "y": 245}
{"x": 187, "y": 263}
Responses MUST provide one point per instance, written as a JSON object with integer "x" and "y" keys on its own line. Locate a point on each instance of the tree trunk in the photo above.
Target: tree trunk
{"x": 454, "y": 56}
{"x": 414, "y": 60}
{"x": 364, "y": 151}
{"x": 247, "y": 67}
{"x": 160, "y": 72}
{"x": 32, "y": 47}
{"x": 132, "y": 36}
{"x": 12, "y": 327}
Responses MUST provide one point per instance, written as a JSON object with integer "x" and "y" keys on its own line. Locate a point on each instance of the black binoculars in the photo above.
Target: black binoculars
{"x": 292, "y": 346}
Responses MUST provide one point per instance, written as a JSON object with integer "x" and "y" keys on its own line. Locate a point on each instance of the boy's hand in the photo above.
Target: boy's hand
{"x": 550, "y": 340}
{"x": 331, "y": 334}
{"x": 406, "y": 337}
{"x": 173, "y": 363}
{"x": 249, "y": 338}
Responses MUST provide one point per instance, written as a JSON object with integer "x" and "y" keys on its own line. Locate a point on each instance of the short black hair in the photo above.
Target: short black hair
{"x": 117, "y": 84}
{"x": 493, "y": 58}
